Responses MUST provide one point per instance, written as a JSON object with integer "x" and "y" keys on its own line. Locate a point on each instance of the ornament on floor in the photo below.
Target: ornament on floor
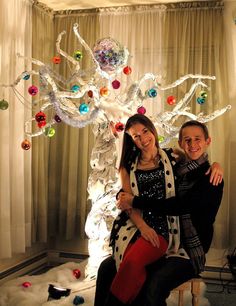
{"x": 56, "y": 293}
{"x": 77, "y": 273}
{"x": 26, "y": 284}
{"x": 78, "y": 300}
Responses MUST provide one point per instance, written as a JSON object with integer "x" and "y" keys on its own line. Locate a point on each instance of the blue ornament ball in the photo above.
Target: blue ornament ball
{"x": 83, "y": 108}
{"x": 200, "y": 100}
{"x": 78, "y": 300}
{"x": 75, "y": 88}
{"x": 152, "y": 93}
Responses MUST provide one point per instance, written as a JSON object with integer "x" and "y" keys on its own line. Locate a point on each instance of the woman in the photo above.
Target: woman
{"x": 145, "y": 170}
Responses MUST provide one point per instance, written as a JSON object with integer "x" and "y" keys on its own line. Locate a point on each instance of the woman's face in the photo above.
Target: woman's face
{"x": 142, "y": 137}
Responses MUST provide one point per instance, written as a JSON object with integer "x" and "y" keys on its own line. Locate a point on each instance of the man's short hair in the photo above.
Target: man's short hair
{"x": 194, "y": 123}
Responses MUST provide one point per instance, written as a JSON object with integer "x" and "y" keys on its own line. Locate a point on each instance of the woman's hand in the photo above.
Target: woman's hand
{"x": 149, "y": 234}
{"x": 125, "y": 200}
{"x": 216, "y": 174}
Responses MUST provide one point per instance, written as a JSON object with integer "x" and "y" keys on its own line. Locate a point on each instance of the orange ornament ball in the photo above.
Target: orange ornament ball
{"x": 104, "y": 92}
{"x": 56, "y": 59}
{"x": 127, "y": 70}
{"x": 26, "y": 144}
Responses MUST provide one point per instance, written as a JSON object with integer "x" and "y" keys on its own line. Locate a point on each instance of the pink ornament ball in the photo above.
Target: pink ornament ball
{"x": 33, "y": 90}
{"x": 116, "y": 84}
{"x": 141, "y": 110}
{"x": 171, "y": 100}
{"x": 26, "y": 284}
{"x": 77, "y": 273}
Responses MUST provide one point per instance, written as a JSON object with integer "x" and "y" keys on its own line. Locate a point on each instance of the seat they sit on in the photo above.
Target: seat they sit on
{"x": 194, "y": 286}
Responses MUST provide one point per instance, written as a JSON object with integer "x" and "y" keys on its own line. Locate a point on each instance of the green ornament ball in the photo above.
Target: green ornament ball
{"x": 4, "y": 104}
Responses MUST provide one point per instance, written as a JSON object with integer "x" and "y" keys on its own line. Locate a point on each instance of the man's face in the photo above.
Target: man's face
{"x": 193, "y": 142}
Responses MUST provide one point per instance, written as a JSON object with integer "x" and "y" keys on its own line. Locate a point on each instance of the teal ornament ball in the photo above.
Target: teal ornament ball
{"x": 75, "y": 88}
{"x": 4, "y": 104}
{"x": 152, "y": 93}
{"x": 83, "y": 108}
{"x": 200, "y": 100}
{"x": 78, "y": 300}
{"x": 26, "y": 76}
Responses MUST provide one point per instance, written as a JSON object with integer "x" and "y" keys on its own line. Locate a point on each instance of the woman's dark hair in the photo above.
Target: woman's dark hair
{"x": 194, "y": 123}
{"x": 129, "y": 150}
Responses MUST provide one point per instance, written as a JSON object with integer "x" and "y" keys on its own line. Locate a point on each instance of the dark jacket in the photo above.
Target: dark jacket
{"x": 202, "y": 201}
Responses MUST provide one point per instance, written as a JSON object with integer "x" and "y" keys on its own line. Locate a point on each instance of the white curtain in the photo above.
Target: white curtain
{"x": 170, "y": 41}
{"x": 15, "y": 163}
{"x": 195, "y": 43}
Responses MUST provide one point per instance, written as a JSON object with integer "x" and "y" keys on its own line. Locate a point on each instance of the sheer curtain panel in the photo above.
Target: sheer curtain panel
{"x": 15, "y": 163}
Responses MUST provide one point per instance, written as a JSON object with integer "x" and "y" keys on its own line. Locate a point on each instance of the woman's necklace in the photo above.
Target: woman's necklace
{"x": 153, "y": 161}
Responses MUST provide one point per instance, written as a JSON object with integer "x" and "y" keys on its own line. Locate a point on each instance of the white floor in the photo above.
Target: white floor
{"x": 13, "y": 293}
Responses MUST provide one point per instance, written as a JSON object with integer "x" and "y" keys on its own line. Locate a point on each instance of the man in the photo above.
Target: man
{"x": 197, "y": 198}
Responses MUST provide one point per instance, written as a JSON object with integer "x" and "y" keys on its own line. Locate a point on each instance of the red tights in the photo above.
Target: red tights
{"x": 132, "y": 271}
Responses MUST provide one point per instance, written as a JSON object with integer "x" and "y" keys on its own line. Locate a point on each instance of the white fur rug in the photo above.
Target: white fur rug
{"x": 12, "y": 293}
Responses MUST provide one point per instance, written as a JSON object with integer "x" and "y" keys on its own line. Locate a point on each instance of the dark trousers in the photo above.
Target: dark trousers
{"x": 162, "y": 277}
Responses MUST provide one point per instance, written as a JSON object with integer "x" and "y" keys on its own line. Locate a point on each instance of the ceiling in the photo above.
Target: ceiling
{"x": 87, "y": 4}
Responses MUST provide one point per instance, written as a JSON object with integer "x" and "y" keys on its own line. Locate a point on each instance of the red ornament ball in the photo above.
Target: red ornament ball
{"x": 40, "y": 116}
{"x": 127, "y": 70}
{"x": 41, "y": 124}
{"x": 26, "y": 284}
{"x": 116, "y": 84}
{"x": 33, "y": 90}
{"x": 77, "y": 273}
{"x": 25, "y": 144}
{"x": 90, "y": 93}
{"x": 119, "y": 127}
{"x": 56, "y": 59}
{"x": 141, "y": 110}
{"x": 171, "y": 100}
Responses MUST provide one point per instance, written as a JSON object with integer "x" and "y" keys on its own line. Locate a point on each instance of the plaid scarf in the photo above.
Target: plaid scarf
{"x": 190, "y": 237}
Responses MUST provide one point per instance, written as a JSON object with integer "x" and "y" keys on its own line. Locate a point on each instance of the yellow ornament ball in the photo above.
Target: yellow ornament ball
{"x": 49, "y": 132}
